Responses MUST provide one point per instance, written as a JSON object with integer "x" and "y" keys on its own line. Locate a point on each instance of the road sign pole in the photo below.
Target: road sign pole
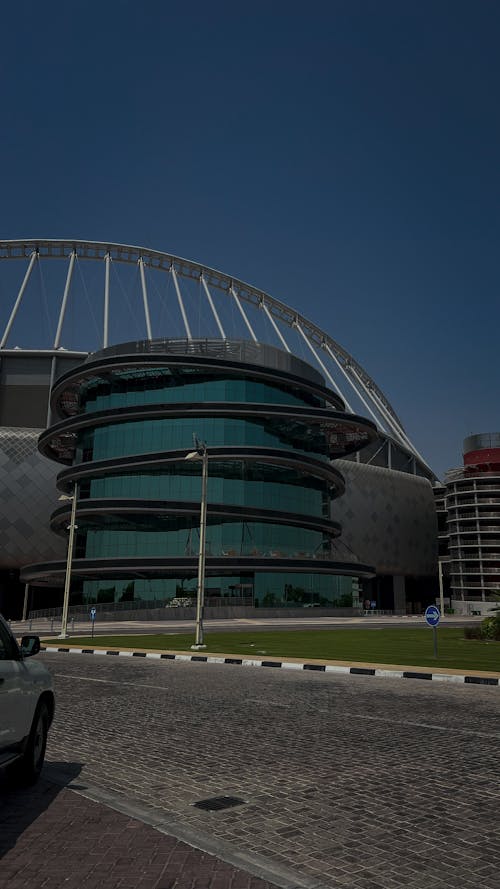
{"x": 432, "y": 617}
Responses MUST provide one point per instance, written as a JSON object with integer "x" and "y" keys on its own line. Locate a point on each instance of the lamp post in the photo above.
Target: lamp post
{"x": 67, "y": 580}
{"x": 25, "y": 603}
{"x": 201, "y": 454}
{"x": 441, "y": 591}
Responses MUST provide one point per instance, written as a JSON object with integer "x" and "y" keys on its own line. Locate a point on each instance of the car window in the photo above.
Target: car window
{"x": 8, "y": 646}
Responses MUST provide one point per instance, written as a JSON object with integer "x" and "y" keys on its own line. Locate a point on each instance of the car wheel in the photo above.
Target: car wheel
{"x": 29, "y": 767}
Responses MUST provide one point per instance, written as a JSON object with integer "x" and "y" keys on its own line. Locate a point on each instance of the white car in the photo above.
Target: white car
{"x": 26, "y": 705}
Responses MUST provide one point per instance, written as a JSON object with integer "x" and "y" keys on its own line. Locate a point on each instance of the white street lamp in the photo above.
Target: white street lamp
{"x": 25, "y": 604}
{"x": 201, "y": 454}
{"x": 67, "y": 580}
{"x": 441, "y": 590}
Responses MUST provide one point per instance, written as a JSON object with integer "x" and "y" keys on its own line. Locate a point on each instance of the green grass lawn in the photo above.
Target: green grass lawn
{"x": 412, "y": 646}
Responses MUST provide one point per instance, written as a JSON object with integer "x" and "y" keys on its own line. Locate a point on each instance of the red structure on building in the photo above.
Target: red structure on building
{"x": 473, "y": 507}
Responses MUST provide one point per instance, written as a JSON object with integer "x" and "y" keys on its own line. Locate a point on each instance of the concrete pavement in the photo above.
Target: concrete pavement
{"x": 340, "y": 781}
{"x": 53, "y": 837}
{"x": 47, "y": 627}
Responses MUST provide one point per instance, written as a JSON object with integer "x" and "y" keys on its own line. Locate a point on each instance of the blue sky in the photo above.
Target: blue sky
{"x": 343, "y": 156}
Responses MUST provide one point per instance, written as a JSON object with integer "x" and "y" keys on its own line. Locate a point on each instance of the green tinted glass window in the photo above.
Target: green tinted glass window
{"x": 161, "y": 536}
{"x": 159, "y": 386}
{"x": 264, "y": 589}
{"x": 274, "y": 490}
{"x": 152, "y": 436}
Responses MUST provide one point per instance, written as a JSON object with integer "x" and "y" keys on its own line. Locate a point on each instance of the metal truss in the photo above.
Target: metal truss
{"x": 321, "y": 344}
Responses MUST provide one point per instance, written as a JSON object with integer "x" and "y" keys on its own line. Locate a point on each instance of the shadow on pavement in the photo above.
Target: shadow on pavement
{"x": 21, "y": 806}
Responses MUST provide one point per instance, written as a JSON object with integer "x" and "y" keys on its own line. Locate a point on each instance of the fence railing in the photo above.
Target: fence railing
{"x": 80, "y": 612}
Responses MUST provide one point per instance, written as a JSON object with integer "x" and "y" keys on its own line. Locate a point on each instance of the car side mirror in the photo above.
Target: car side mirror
{"x": 30, "y": 645}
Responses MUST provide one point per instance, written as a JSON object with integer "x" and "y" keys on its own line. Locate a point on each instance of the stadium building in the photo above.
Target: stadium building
{"x": 316, "y": 496}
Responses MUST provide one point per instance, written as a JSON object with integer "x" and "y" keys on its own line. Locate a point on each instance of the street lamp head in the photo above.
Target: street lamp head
{"x": 200, "y": 449}
{"x": 197, "y": 444}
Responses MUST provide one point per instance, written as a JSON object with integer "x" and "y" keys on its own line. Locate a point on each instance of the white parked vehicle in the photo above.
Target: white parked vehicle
{"x": 26, "y": 705}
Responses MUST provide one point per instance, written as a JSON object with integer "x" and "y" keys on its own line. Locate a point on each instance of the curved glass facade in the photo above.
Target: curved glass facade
{"x": 224, "y": 538}
{"x": 264, "y": 589}
{"x": 172, "y": 433}
{"x": 269, "y": 534}
{"x": 240, "y": 483}
{"x": 158, "y": 385}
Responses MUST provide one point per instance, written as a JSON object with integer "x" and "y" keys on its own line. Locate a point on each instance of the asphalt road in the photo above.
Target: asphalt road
{"x": 341, "y": 781}
{"x": 47, "y": 628}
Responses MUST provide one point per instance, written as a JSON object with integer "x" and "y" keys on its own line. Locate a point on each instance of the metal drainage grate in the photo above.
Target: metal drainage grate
{"x": 218, "y": 802}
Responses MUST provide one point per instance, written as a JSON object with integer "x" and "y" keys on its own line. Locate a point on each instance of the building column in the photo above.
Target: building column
{"x": 399, "y": 589}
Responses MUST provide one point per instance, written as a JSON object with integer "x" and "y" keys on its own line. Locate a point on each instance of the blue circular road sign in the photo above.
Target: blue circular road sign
{"x": 432, "y": 615}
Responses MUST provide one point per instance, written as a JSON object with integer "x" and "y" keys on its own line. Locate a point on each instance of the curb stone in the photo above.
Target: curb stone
{"x": 461, "y": 679}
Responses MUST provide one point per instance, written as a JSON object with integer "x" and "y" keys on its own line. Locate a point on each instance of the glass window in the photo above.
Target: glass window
{"x": 232, "y": 482}
{"x": 158, "y": 385}
{"x": 151, "y": 436}
{"x": 262, "y": 589}
{"x": 137, "y": 536}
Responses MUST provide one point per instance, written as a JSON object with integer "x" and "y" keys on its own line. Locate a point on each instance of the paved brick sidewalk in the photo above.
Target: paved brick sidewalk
{"x": 52, "y": 837}
{"x": 357, "y": 782}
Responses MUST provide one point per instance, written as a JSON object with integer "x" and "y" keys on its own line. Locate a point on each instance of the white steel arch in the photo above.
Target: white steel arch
{"x": 278, "y": 313}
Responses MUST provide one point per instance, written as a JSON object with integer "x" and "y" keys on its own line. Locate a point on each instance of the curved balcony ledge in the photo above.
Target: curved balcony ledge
{"x": 119, "y": 359}
{"x": 343, "y": 433}
{"x": 300, "y": 463}
{"x": 90, "y": 569}
{"x": 154, "y": 510}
